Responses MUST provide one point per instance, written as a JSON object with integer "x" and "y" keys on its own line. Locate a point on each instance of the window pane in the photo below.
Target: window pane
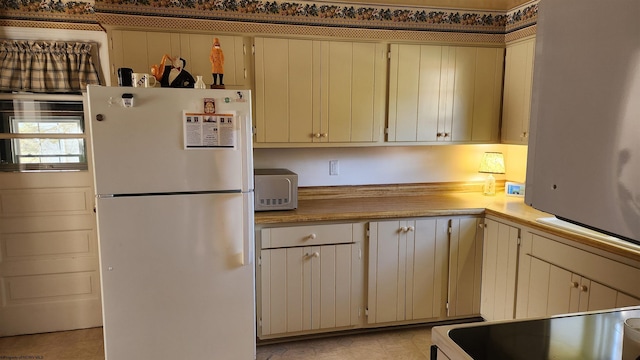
{"x": 44, "y": 127}
{"x": 52, "y": 126}
{"x": 42, "y": 154}
{"x": 41, "y": 117}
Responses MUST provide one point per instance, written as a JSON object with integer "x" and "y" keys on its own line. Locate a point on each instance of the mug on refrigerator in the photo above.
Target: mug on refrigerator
{"x": 143, "y": 80}
{"x": 124, "y": 76}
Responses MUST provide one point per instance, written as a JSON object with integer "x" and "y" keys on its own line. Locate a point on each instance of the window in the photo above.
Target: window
{"x": 42, "y": 135}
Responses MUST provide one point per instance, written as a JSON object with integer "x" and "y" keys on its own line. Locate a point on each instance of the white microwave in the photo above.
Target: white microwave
{"x": 275, "y": 189}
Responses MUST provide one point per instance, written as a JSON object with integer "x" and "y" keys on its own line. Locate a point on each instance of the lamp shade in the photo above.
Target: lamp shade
{"x": 492, "y": 163}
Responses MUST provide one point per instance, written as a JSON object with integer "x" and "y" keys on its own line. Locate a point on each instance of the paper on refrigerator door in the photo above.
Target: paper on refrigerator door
{"x": 210, "y": 131}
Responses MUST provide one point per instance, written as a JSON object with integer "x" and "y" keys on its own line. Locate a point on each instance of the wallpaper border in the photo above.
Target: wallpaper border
{"x": 301, "y": 13}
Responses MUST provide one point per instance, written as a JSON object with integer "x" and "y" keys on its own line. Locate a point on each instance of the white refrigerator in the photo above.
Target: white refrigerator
{"x": 174, "y": 194}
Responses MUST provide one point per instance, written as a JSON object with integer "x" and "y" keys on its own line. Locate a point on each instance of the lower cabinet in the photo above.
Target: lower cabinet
{"x": 499, "y": 269}
{"x": 421, "y": 268}
{"x": 312, "y": 281}
{"x": 554, "y": 290}
{"x": 466, "y": 240}
{"x": 555, "y": 278}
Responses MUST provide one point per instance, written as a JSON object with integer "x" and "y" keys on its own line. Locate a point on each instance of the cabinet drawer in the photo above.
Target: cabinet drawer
{"x": 311, "y": 235}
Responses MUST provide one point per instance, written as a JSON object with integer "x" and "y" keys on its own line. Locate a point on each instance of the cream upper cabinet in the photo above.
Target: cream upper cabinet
{"x": 499, "y": 269}
{"x": 518, "y": 80}
{"x": 312, "y": 91}
{"x": 139, "y": 50}
{"x": 444, "y": 93}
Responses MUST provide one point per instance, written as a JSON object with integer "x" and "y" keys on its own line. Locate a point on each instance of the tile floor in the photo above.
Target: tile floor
{"x": 83, "y": 344}
{"x": 398, "y": 344}
{"x": 395, "y": 344}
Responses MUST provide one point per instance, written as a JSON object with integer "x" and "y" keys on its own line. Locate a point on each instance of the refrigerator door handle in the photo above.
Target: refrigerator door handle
{"x": 248, "y": 246}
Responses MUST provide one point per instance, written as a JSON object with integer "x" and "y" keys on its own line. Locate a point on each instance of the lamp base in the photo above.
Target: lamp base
{"x": 489, "y": 188}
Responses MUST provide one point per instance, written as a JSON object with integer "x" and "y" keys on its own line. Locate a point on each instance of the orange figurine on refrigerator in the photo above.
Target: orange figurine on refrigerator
{"x": 216, "y": 57}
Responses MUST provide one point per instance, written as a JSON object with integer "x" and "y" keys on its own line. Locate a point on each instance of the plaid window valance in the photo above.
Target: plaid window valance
{"x": 46, "y": 66}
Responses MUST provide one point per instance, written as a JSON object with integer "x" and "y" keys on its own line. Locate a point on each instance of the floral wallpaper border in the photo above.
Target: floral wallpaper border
{"x": 284, "y": 12}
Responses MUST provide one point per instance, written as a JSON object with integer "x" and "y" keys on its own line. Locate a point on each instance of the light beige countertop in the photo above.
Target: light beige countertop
{"x": 360, "y": 203}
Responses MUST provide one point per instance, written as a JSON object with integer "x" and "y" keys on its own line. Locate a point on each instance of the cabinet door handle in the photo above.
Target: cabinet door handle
{"x": 410, "y": 228}
{"x": 324, "y": 135}
{"x": 403, "y": 229}
{"x": 584, "y": 288}
{"x": 574, "y": 284}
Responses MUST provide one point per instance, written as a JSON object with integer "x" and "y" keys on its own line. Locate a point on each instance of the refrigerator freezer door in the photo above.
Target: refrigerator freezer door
{"x": 174, "y": 286}
{"x": 140, "y": 149}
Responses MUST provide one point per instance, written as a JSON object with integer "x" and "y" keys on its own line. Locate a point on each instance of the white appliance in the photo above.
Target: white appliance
{"x": 174, "y": 192}
{"x": 584, "y": 155}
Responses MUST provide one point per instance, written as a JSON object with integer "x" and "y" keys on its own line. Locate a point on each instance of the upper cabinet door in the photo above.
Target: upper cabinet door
{"x": 487, "y": 95}
{"x": 139, "y": 50}
{"x": 444, "y": 93}
{"x": 415, "y": 76}
{"x": 287, "y": 93}
{"x": 518, "y": 80}
{"x": 354, "y": 93}
{"x": 198, "y": 48}
{"x": 325, "y": 91}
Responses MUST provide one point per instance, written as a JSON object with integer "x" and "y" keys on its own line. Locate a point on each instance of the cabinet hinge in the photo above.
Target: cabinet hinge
{"x": 254, "y": 130}
{"x": 519, "y": 241}
{"x": 259, "y": 260}
{"x": 389, "y": 55}
{"x": 244, "y": 49}
{"x": 446, "y": 306}
{"x": 450, "y": 230}
{"x": 368, "y": 233}
{"x": 260, "y": 322}
{"x": 253, "y": 49}
{"x": 366, "y": 312}
{"x": 386, "y": 131}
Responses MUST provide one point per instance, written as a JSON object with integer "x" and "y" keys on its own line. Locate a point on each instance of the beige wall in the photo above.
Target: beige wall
{"x": 392, "y": 164}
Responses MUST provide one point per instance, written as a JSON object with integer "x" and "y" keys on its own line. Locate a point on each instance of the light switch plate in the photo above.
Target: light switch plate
{"x": 334, "y": 167}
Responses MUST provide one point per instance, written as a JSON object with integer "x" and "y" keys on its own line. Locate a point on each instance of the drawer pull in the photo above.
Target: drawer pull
{"x": 312, "y": 236}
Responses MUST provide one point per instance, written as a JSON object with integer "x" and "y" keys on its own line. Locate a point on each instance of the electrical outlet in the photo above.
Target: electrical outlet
{"x": 334, "y": 167}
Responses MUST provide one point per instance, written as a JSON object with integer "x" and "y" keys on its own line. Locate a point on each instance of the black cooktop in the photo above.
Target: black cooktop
{"x": 596, "y": 336}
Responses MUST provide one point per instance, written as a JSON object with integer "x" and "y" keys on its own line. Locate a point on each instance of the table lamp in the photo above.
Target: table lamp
{"x": 492, "y": 163}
